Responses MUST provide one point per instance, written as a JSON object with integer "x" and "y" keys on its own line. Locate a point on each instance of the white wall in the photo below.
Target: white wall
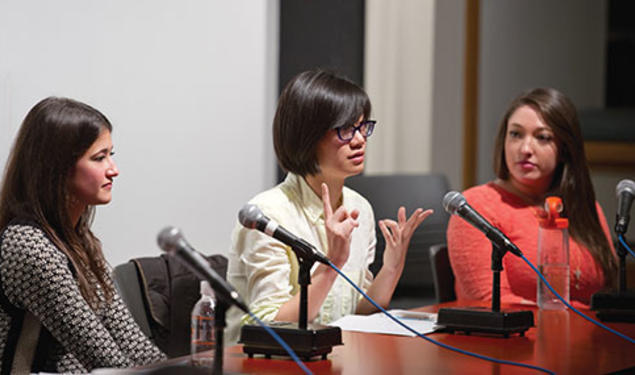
{"x": 190, "y": 87}
{"x": 526, "y": 44}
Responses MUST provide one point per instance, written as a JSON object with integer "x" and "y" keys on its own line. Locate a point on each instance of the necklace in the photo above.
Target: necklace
{"x": 577, "y": 273}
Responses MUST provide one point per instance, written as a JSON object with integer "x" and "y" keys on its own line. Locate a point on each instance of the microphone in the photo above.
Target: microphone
{"x": 171, "y": 240}
{"x": 455, "y": 204}
{"x": 625, "y": 191}
{"x": 251, "y": 217}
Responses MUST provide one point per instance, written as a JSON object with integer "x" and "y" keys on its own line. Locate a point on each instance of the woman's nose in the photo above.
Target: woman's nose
{"x": 358, "y": 138}
{"x": 112, "y": 171}
{"x": 526, "y": 146}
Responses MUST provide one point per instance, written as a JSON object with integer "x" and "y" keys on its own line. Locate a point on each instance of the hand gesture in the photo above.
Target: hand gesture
{"x": 398, "y": 234}
{"x": 339, "y": 227}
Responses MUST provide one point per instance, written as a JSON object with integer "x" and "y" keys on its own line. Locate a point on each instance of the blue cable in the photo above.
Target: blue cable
{"x": 573, "y": 308}
{"x": 621, "y": 238}
{"x": 282, "y": 343}
{"x": 461, "y": 351}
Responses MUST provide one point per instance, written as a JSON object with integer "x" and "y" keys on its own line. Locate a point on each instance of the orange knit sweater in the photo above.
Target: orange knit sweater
{"x": 470, "y": 251}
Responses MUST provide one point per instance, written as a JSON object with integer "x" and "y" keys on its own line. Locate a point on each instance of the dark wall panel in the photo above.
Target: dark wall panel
{"x": 322, "y": 34}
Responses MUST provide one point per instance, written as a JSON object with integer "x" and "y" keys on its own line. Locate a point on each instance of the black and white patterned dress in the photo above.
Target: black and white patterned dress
{"x": 38, "y": 285}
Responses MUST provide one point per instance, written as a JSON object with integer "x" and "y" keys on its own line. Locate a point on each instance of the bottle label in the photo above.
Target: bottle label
{"x": 202, "y": 332}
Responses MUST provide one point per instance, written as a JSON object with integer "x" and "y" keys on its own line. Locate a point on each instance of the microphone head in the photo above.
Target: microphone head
{"x": 168, "y": 239}
{"x": 250, "y": 215}
{"x": 452, "y": 201}
{"x": 625, "y": 186}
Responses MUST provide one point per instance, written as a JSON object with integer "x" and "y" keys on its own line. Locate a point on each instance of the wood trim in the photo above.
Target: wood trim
{"x": 613, "y": 155}
{"x": 470, "y": 94}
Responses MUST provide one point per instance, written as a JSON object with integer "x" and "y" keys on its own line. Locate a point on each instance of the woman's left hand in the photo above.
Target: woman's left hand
{"x": 398, "y": 234}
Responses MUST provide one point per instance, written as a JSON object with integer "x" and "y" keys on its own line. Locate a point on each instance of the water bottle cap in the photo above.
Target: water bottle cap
{"x": 206, "y": 289}
{"x": 550, "y": 218}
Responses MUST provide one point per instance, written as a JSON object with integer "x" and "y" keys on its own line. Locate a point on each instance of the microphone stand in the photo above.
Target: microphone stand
{"x": 480, "y": 319}
{"x": 304, "y": 279}
{"x": 616, "y": 306}
{"x": 306, "y": 340}
{"x": 621, "y": 252}
{"x": 219, "y": 327}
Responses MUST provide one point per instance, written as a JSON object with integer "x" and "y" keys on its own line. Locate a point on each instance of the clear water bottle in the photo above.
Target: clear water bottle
{"x": 203, "y": 340}
{"x": 553, "y": 256}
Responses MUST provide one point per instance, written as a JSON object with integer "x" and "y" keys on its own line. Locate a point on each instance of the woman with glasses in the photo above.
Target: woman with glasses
{"x": 320, "y": 131}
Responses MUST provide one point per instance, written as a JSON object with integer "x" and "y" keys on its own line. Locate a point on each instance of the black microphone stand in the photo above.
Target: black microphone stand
{"x": 306, "y": 340}
{"x": 480, "y": 319}
{"x": 219, "y": 327}
{"x": 616, "y": 306}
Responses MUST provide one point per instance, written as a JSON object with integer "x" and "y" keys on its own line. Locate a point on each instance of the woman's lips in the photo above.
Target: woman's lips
{"x": 357, "y": 158}
{"x": 526, "y": 164}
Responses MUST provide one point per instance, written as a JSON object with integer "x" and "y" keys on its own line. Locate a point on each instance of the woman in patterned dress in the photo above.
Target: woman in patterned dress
{"x": 59, "y": 310}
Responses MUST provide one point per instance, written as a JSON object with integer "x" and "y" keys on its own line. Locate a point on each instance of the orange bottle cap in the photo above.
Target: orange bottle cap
{"x": 553, "y": 208}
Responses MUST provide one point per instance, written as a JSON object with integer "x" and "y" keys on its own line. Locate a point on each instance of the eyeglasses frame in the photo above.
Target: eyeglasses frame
{"x": 370, "y": 127}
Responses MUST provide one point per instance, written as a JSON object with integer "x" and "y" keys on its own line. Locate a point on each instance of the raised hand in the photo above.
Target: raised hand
{"x": 339, "y": 228}
{"x": 398, "y": 234}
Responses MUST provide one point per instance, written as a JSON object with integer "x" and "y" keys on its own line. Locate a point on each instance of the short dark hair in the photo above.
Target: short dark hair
{"x": 571, "y": 179}
{"x": 310, "y": 105}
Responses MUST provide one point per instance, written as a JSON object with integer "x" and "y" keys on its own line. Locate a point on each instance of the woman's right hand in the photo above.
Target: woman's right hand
{"x": 339, "y": 228}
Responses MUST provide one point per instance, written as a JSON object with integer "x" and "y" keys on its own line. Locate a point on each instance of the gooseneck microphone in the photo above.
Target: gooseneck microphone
{"x": 251, "y": 217}
{"x": 455, "y": 204}
{"x": 625, "y": 191}
{"x": 171, "y": 240}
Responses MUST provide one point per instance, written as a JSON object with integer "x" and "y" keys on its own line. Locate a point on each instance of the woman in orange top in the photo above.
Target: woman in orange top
{"x": 539, "y": 152}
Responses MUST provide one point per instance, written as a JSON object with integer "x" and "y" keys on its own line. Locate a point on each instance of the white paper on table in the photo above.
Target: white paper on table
{"x": 421, "y": 322}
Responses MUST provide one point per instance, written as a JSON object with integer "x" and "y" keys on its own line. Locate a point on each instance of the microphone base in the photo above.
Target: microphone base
{"x": 483, "y": 320}
{"x": 316, "y": 340}
{"x": 614, "y": 306}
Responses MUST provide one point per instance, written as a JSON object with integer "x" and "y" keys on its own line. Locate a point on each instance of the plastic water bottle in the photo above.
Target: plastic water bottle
{"x": 203, "y": 340}
{"x": 553, "y": 256}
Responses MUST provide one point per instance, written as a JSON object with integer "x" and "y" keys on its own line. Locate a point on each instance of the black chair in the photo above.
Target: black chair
{"x": 160, "y": 293}
{"x": 126, "y": 279}
{"x": 386, "y": 194}
{"x": 442, "y": 273}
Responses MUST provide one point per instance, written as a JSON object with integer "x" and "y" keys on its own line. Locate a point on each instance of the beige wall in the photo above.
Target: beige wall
{"x": 413, "y": 74}
{"x": 399, "y": 57}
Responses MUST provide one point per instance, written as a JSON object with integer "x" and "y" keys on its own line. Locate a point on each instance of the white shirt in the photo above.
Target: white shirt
{"x": 264, "y": 271}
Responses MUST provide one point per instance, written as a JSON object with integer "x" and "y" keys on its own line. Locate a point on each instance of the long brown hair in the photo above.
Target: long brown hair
{"x": 54, "y": 135}
{"x": 571, "y": 180}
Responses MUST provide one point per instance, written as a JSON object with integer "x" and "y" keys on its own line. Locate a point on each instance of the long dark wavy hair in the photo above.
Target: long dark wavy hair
{"x": 54, "y": 135}
{"x": 571, "y": 180}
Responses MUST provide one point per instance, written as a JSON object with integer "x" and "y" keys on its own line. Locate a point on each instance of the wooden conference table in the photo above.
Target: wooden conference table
{"x": 561, "y": 341}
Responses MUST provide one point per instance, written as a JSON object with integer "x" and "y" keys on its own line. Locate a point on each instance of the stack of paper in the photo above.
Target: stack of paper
{"x": 421, "y": 322}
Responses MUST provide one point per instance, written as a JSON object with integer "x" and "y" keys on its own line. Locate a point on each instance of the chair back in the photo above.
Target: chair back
{"x": 386, "y": 193}
{"x": 126, "y": 279}
{"x": 160, "y": 293}
{"x": 442, "y": 273}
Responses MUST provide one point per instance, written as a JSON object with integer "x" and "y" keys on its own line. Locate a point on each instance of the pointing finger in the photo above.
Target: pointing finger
{"x": 326, "y": 201}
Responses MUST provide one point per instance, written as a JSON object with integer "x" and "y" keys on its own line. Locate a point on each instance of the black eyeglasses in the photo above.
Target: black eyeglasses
{"x": 347, "y": 132}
